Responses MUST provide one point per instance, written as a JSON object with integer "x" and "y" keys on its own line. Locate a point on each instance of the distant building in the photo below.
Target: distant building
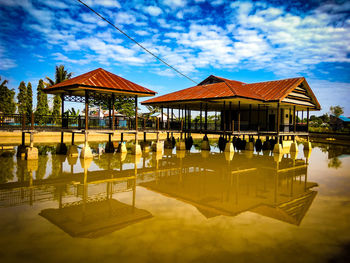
{"x": 338, "y": 123}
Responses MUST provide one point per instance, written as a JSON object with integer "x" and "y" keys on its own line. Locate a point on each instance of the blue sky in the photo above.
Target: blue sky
{"x": 248, "y": 41}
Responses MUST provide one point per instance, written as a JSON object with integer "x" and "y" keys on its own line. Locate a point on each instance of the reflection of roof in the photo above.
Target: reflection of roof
{"x": 216, "y": 87}
{"x": 96, "y": 218}
{"x": 291, "y": 212}
{"x": 100, "y": 79}
{"x": 344, "y": 119}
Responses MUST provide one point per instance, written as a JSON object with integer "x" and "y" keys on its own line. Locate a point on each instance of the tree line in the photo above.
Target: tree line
{"x": 24, "y": 104}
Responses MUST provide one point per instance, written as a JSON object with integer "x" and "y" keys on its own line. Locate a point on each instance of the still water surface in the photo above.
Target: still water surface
{"x": 176, "y": 207}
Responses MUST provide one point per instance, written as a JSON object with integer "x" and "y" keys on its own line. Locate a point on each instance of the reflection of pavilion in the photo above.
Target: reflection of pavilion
{"x": 86, "y": 207}
{"x": 260, "y": 184}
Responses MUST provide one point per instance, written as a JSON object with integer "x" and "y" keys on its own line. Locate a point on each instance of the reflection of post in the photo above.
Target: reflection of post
{"x": 134, "y": 186}
{"x": 276, "y": 181}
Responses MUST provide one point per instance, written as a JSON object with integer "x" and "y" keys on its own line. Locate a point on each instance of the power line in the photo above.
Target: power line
{"x": 137, "y": 43}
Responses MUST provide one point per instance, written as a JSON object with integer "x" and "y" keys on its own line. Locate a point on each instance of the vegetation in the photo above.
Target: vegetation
{"x": 42, "y": 107}
{"x": 22, "y": 98}
{"x": 7, "y": 98}
{"x": 29, "y": 99}
{"x": 336, "y": 110}
{"x": 61, "y": 74}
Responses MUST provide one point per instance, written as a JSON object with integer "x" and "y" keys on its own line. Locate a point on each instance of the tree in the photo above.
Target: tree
{"x": 42, "y": 107}
{"x": 22, "y": 98}
{"x": 152, "y": 109}
{"x": 7, "y": 98}
{"x": 56, "y": 109}
{"x": 336, "y": 110}
{"x": 61, "y": 74}
{"x": 29, "y": 101}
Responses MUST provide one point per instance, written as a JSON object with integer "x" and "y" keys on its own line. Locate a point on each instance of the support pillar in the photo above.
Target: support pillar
{"x": 239, "y": 117}
{"x": 206, "y": 118}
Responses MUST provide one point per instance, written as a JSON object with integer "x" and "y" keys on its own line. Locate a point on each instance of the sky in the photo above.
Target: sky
{"x": 248, "y": 41}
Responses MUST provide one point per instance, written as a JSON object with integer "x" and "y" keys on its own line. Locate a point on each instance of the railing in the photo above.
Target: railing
{"x": 40, "y": 122}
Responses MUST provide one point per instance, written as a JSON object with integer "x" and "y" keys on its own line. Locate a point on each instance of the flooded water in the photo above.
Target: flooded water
{"x": 177, "y": 207}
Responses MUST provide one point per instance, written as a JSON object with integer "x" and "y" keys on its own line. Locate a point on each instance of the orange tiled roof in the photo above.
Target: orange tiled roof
{"x": 102, "y": 79}
{"x": 264, "y": 91}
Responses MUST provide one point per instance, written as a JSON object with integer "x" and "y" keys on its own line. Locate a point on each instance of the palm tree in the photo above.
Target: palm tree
{"x": 61, "y": 74}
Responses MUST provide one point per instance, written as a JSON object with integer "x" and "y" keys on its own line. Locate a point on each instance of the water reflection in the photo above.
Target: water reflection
{"x": 228, "y": 184}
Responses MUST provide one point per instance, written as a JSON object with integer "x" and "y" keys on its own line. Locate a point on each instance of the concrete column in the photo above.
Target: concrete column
{"x": 86, "y": 151}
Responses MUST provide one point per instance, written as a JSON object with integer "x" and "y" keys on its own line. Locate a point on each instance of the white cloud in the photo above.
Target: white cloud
{"x": 153, "y": 10}
{"x": 5, "y": 62}
{"x": 124, "y": 18}
{"x": 104, "y": 3}
{"x": 175, "y": 3}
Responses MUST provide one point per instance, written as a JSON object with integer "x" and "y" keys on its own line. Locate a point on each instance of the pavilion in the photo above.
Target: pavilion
{"x": 96, "y": 87}
{"x": 265, "y": 107}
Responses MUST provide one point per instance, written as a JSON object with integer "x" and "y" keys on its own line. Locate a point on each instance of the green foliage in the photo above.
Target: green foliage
{"x": 152, "y": 109}
{"x": 56, "y": 109}
{"x": 22, "y": 98}
{"x": 7, "y": 98}
{"x": 336, "y": 110}
{"x": 61, "y": 74}
{"x": 42, "y": 107}
{"x": 29, "y": 101}
{"x": 125, "y": 106}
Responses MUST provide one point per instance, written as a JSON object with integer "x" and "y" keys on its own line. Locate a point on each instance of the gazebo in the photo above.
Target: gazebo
{"x": 265, "y": 108}
{"x": 96, "y": 87}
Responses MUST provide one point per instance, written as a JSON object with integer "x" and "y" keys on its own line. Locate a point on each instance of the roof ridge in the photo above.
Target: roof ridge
{"x": 98, "y": 70}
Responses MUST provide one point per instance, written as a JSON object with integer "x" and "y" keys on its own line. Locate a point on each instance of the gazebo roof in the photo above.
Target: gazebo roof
{"x": 99, "y": 80}
{"x": 216, "y": 88}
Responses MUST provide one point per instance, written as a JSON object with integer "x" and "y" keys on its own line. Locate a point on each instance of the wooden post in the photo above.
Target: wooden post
{"x": 113, "y": 114}
{"x": 110, "y": 112}
{"x": 86, "y": 110}
{"x": 307, "y": 120}
{"x": 162, "y": 117}
{"x": 200, "y": 120}
{"x": 239, "y": 117}
{"x": 278, "y": 118}
{"x": 167, "y": 119}
{"x": 206, "y": 117}
{"x": 157, "y": 123}
{"x": 250, "y": 116}
{"x": 136, "y": 121}
{"x": 189, "y": 119}
{"x": 294, "y": 120}
{"x": 224, "y": 117}
{"x": 258, "y": 126}
{"x": 62, "y": 110}
{"x": 302, "y": 117}
{"x": 230, "y": 116}
{"x": 136, "y": 117}
{"x": 185, "y": 123}
{"x": 267, "y": 118}
{"x": 172, "y": 118}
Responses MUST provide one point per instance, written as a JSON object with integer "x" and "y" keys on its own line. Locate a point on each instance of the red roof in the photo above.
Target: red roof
{"x": 223, "y": 88}
{"x": 102, "y": 79}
